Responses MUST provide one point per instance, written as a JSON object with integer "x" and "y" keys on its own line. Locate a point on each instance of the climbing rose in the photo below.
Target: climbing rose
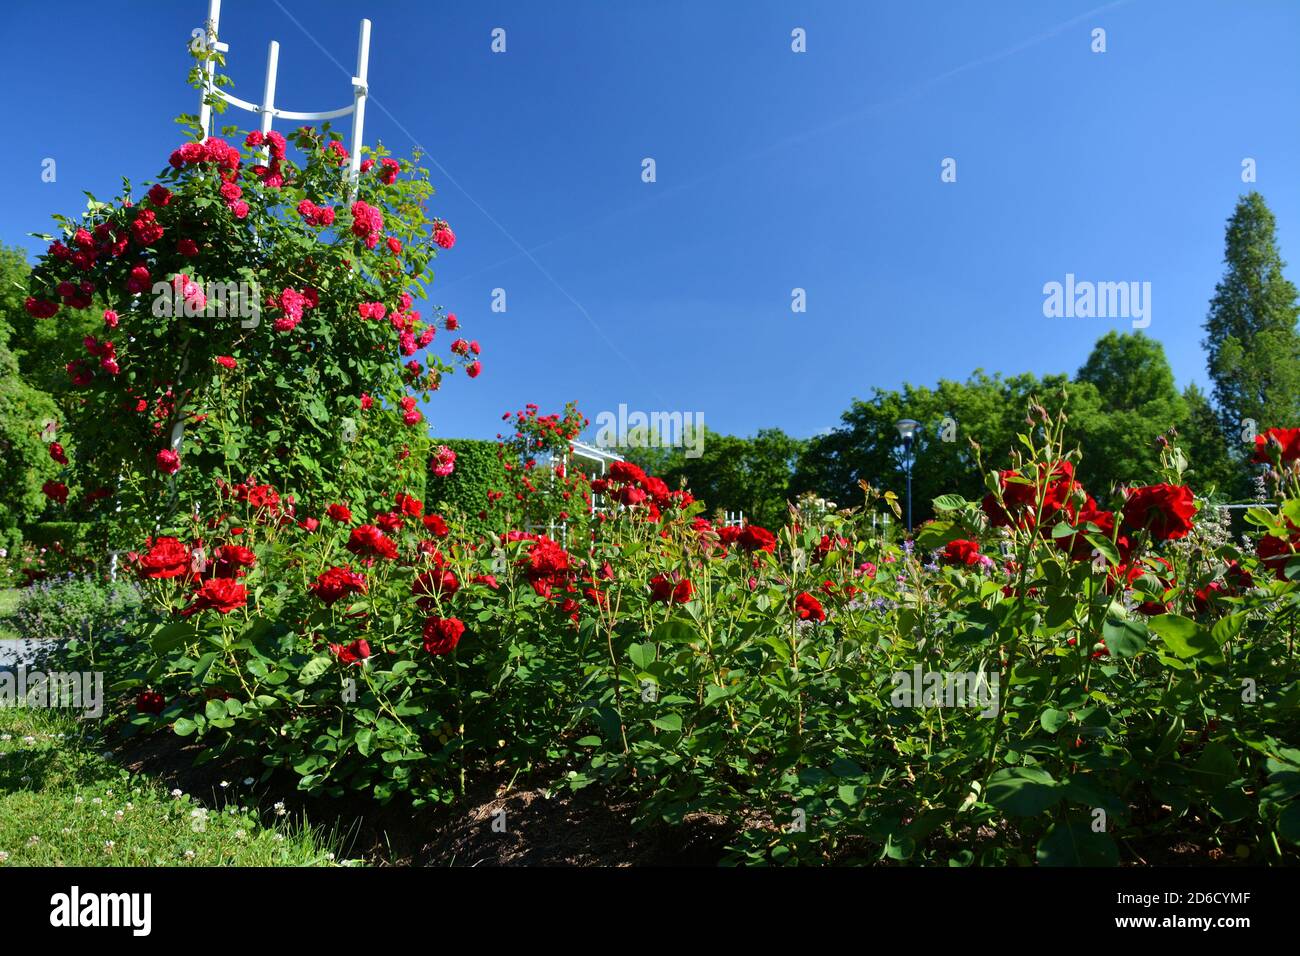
{"x": 368, "y": 541}
{"x": 1287, "y": 441}
{"x": 444, "y": 461}
{"x": 57, "y": 453}
{"x": 56, "y": 491}
{"x": 339, "y": 513}
{"x": 754, "y": 538}
{"x": 444, "y": 237}
{"x": 168, "y": 462}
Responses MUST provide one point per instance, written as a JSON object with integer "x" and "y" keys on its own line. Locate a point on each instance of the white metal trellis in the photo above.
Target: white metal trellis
{"x": 267, "y": 109}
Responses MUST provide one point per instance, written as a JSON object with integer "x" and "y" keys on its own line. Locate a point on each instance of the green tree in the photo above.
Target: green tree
{"x": 1251, "y": 339}
{"x": 733, "y": 473}
{"x": 25, "y": 463}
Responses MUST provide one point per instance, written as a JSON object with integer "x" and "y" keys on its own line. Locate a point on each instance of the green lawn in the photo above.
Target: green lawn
{"x": 63, "y": 803}
{"x": 8, "y": 604}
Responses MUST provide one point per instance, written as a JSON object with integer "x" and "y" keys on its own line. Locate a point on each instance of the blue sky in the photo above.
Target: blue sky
{"x": 775, "y": 170}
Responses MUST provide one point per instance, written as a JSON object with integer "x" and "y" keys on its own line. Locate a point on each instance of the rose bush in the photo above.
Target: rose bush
{"x": 1142, "y": 664}
{"x": 258, "y": 317}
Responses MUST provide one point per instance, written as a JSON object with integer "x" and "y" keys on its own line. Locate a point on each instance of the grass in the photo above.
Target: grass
{"x": 8, "y": 605}
{"x": 62, "y": 803}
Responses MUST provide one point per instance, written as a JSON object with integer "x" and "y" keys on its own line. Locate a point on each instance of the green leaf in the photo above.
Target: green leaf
{"x": 365, "y": 741}
{"x": 1216, "y": 769}
{"x": 1288, "y": 824}
{"x": 215, "y": 709}
{"x": 1125, "y": 637}
{"x": 949, "y": 503}
{"x": 643, "y": 655}
{"x": 1076, "y": 844}
{"x": 675, "y": 630}
{"x": 671, "y": 722}
{"x": 184, "y": 727}
{"x": 313, "y": 669}
{"x": 1023, "y": 791}
{"x": 172, "y": 636}
{"x": 1052, "y": 719}
{"x": 1187, "y": 639}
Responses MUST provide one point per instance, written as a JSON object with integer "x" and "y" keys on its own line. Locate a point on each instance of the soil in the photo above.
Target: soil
{"x": 533, "y": 824}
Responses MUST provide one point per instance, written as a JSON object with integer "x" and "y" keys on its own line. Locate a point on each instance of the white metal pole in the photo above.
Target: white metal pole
{"x": 268, "y": 94}
{"x": 359, "y": 84}
{"x": 210, "y": 66}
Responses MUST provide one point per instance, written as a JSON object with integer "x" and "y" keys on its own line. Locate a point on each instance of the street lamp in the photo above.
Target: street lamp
{"x": 907, "y": 428}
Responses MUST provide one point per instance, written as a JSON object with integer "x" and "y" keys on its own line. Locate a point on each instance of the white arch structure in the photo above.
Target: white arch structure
{"x": 267, "y": 109}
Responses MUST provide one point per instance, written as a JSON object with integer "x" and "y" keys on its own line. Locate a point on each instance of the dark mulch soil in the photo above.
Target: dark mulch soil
{"x": 529, "y": 824}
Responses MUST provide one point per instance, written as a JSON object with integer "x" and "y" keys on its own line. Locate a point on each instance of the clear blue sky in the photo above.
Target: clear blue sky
{"x": 775, "y": 170}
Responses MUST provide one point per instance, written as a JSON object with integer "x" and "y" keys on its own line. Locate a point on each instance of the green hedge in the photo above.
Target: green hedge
{"x": 464, "y": 491}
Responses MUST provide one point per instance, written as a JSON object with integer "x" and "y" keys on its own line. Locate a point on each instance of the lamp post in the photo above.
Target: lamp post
{"x": 907, "y": 432}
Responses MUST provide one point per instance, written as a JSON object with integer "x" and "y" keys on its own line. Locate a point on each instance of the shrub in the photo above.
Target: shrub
{"x": 76, "y": 608}
{"x": 464, "y": 493}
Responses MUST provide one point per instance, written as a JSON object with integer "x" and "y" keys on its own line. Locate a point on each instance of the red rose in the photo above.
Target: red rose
{"x": 1166, "y": 509}
{"x": 962, "y": 552}
{"x": 56, "y": 491}
{"x": 1286, "y": 440}
{"x": 808, "y": 607}
{"x": 1275, "y": 552}
{"x": 309, "y": 524}
{"x": 168, "y": 462}
{"x": 353, "y": 653}
{"x": 340, "y": 513}
{"x": 436, "y": 526}
{"x": 57, "y": 453}
{"x": 336, "y": 583}
{"x": 668, "y": 591}
{"x": 166, "y": 558}
{"x": 754, "y": 538}
{"x": 442, "y": 634}
{"x": 231, "y": 558}
{"x": 226, "y": 361}
{"x": 150, "y": 702}
{"x": 222, "y": 595}
{"x": 369, "y": 541}
{"x": 431, "y": 584}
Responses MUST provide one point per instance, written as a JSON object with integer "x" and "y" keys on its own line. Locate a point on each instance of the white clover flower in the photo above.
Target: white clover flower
{"x": 96, "y": 801}
{"x": 33, "y": 840}
{"x": 108, "y": 846}
{"x": 177, "y": 794}
{"x": 78, "y": 799}
{"x": 280, "y": 808}
{"x": 4, "y": 857}
{"x": 189, "y": 854}
{"x": 224, "y": 784}
{"x": 240, "y": 834}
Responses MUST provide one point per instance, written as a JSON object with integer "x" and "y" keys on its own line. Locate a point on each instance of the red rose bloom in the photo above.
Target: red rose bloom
{"x": 1165, "y": 509}
{"x": 962, "y": 552}
{"x": 232, "y": 558}
{"x": 431, "y": 584}
{"x": 340, "y": 513}
{"x": 1275, "y": 552}
{"x": 442, "y": 634}
{"x": 1286, "y": 440}
{"x": 150, "y": 702}
{"x": 353, "y": 653}
{"x": 754, "y": 538}
{"x": 436, "y": 526}
{"x": 336, "y": 583}
{"x": 368, "y": 541}
{"x": 56, "y": 491}
{"x": 166, "y": 558}
{"x": 667, "y": 591}
{"x": 57, "y": 453}
{"x": 222, "y": 595}
{"x": 808, "y": 607}
{"x": 168, "y": 462}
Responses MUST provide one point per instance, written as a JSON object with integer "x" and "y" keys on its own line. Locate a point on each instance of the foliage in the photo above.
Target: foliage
{"x": 1139, "y": 665}
{"x": 78, "y": 608}
{"x": 254, "y": 314}
{"x": 464, "y": 493}
{"x": 1251, "y": 337}
{"x": 752, "y": 475}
